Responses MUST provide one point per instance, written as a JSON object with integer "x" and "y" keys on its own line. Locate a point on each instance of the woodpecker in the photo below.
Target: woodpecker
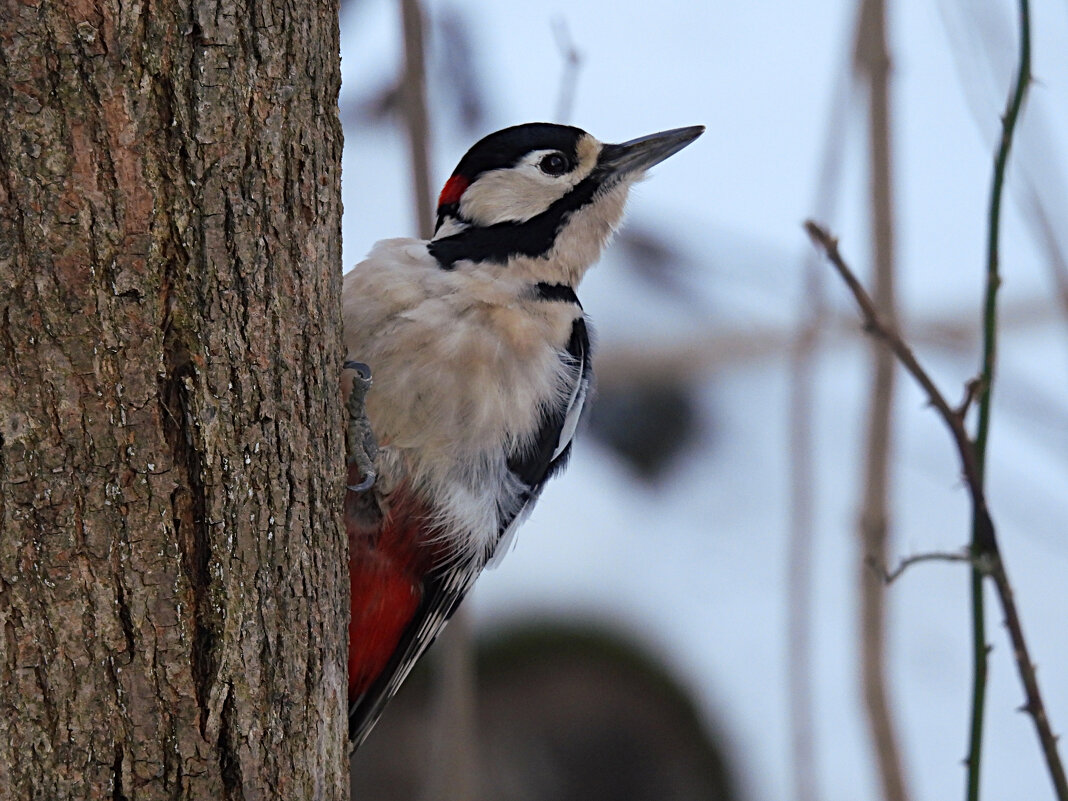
{"x": 480, "y": 352}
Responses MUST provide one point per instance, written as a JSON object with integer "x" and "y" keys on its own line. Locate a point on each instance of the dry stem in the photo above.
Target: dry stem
{"x": 890, "y": 576}
{"x": 872, "y": 62}
{"x": 988, "y": 553}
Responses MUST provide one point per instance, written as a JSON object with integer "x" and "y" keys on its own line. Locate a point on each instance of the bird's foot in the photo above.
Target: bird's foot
{"x": 360, "y": 444}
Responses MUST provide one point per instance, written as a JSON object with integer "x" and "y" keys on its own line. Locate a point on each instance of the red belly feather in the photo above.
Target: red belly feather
{"x": 387, "y": 563}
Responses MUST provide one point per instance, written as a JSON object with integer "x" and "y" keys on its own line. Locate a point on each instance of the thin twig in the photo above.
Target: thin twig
{"x": 885, "y": 331}
{"x": 989, "y": 559}
{"x": 799, "y": 578}
{"x": 1025, "y": 667}
{"x": 1034, "y": 705}
{"x": 993, "y": 278}
{"x": 1038, "y": 182}
{"x": 979, "y": 545}
{"x": 417, "y": 118}
{"x": 971, "y": 390}
{"x": 890, "y": 576}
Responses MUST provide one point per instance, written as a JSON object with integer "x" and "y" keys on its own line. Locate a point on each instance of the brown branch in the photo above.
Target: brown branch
{"x": 1025, "y": 667}
{"x": 813, "y": 319}
{"x": 799, "y": 576}
{"x": 888, "y": 333}
{"x": 990, "y": 556}
{"x": 872, "y": 64}
{"x": 416, "y": 116}
{"x": 722, "y": 347}
{"x": 890, "y": 576}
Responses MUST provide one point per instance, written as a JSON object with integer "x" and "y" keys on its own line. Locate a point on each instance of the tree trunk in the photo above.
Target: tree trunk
{"x": 172, "y": 593}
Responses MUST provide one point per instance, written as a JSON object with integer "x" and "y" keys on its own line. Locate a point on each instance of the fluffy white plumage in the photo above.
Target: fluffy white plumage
{"x": 464, "y": 361}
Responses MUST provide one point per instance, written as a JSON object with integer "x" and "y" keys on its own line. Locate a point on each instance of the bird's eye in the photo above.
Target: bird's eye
{"x": 553, "y": 164}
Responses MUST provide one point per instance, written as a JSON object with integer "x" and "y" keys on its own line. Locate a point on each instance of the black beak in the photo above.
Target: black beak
{"x": 638, "y": 155}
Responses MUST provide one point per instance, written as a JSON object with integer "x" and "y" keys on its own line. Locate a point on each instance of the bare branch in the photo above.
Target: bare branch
{"x": 971, "y": 391}
{"x": 872, "y": 63}
{"x": 985, "y": 547}
{"x": 416, "y": 116}
{"x": 890, "y": 576}
{"x": 813, "y": 319}
{"x": 888, "y": 333}
{"x": 1034, "y": 705}
{"x": 980, "y": 543}
{"x": 450, "y": 771}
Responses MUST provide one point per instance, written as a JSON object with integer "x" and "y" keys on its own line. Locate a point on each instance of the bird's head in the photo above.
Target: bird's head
{"x": 547, "y": 196}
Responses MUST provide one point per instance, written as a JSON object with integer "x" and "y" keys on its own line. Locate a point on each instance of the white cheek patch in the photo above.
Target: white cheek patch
{"x": 516, "y": 194}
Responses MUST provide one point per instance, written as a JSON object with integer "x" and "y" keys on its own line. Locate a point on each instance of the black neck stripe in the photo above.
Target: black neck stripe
{"x": 499, "y": 242}
{"x": 560, "y": 292}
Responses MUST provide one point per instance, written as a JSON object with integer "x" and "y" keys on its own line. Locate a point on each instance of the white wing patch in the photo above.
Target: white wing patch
{"x": 574, "y": 412}
{"x": 507, "y": 538}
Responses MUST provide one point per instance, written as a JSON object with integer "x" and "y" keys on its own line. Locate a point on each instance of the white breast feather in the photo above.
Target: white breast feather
{"x": 461, "y": 371}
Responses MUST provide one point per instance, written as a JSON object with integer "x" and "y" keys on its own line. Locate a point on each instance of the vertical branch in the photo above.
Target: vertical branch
{"x": 451, "y": 770}
{"x": 1040, "y": 191}
{"x": 874, "y": 61}
{"x": 981, "y": 544}
{"x": 980, "y": 651}
{"x": 993, "y": 278}
{"x": 416, "y": 116}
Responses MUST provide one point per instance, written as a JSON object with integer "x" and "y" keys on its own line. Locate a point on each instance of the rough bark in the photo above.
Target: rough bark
{"x": 171, "y": 560}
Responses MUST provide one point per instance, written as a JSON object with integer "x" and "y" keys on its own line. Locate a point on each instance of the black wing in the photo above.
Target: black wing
{"x": 547, "y": 454}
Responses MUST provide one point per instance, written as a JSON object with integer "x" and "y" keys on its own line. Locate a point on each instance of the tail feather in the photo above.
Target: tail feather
{"x": 402, "y": 595}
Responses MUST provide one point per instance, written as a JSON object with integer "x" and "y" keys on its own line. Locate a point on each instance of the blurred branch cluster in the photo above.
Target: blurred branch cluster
{"x": 984, "y": 554}
{"x": 451, "y": 59}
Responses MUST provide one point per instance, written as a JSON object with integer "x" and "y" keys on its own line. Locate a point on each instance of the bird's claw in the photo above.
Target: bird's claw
{"x": 361, "y": 447}
{"x": 366, "y": 484}
{"x": 362, "y": 370}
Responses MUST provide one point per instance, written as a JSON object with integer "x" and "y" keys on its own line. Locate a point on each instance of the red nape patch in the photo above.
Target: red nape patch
{"x": 453, "y": 190}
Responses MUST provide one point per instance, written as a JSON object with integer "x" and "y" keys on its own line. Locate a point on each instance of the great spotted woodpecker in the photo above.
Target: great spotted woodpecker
{"x": 481, "y": 359}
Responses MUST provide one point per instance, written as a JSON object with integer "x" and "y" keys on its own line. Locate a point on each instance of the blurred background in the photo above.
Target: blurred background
{"x": 680, "y": 617}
